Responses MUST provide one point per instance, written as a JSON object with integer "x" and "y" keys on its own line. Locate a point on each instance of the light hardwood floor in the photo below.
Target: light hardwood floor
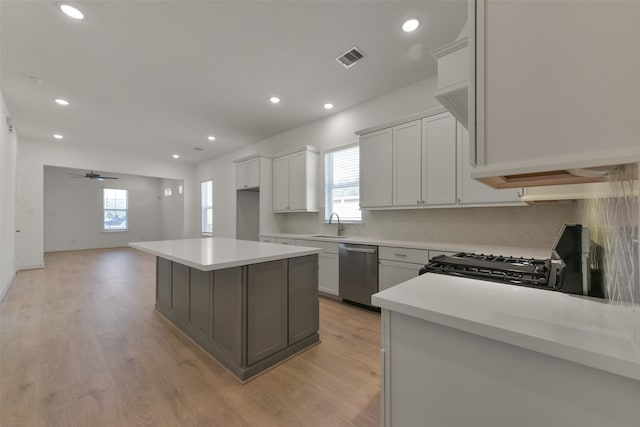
{"x": 80, "y": 345}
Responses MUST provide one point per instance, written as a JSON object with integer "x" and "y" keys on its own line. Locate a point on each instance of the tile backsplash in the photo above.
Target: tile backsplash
{"x": 613, "y": 218}
{"x": 531, "y": 226}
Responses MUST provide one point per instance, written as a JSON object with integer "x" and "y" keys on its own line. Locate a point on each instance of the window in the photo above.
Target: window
{"x": 342, "y": 183}
{"x": 115, "y": 206}
{"x": 180, "y": 189}
{"x": 207, "y": 206}
{"x": 167, "y": 192}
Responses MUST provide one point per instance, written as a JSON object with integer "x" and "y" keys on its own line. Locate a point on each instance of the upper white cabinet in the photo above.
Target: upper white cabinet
{"x": 295, "y": 177}
{"x": 439, "y": 160}
{"x": 375, "y": 169}
{"x": 557, "y": 89}
{"x": 453, "y": 78}
{"x": 422, "y": 163}
{"x": 248, "y": 173}
{"x": 472, "y": 192}
{"x": 407, "y": 164}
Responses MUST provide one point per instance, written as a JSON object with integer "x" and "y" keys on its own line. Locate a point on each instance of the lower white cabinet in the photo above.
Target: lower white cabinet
{"x": 397, "y": 265}
{"x": 328, "y": 277}
{"x": 328, "y": 265}
{"x": 391, "y": 273}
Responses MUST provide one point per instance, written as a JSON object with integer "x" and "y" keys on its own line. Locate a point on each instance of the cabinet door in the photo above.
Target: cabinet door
{"x": 328, "y": 273}
{"x": 298, "y": 181}
{"x": 280, "y": 184}
{"x": 180, "y": 291}
{"x": 163, "y": 282}
{"x": 439, "y": 156}
{"x": 200, "y": 301}
{"x": 266, "y": 309}
{"x": 376, "y": 169}
{"x": 253, "y": 173}
{"x": 407, "y": 164}
{"x": 241, "y": 175}
{"x": 471, "y": 191}
{"x": 228, "y": 327}
{"x": 303, "y": 297}
{"x": 392, "y": 273}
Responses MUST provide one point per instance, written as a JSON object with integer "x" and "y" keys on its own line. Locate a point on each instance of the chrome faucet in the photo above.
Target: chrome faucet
{"x": 340, "y": 226}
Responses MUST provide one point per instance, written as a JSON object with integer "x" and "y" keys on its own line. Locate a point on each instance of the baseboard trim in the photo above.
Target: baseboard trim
{"x": 30, "y": 267}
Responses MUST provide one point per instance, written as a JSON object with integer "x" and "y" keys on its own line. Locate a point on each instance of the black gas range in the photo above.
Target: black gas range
{"x": 567, "y": 270}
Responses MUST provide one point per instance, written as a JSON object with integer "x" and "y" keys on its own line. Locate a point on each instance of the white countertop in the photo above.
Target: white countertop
{"x": 215, "y": 253}
{"x": 588, "y": 331}
{"x": 517, "y": 251}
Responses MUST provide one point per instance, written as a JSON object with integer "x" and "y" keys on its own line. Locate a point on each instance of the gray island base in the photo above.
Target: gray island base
{"x": 249, "y": 317}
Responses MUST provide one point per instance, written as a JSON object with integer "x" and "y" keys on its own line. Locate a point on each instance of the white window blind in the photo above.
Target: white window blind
{"x": 342, "y": 184}
{"x": 207, "y": 206}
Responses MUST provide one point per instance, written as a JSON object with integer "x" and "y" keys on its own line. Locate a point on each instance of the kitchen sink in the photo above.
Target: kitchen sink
{"x": 327, "y": 236}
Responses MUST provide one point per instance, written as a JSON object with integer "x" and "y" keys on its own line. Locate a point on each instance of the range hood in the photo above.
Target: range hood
{"x": 453, "y": 78}
{"x": 576, "y": 174}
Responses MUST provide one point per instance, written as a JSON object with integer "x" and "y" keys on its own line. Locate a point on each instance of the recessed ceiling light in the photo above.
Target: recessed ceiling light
{"x": 211, "y": 138}
{"x": 71, "y": 11}
{"x": 57, "y": 136}
{"x": 328, "y": 106}
{"x": 61, "y": 101}
{"x": 274, "y": 99}
{"x": 175, "y": 156}
{"x": 410, "y": 25}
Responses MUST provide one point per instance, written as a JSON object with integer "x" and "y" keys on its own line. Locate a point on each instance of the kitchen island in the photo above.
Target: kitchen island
{"x": 250, "y": 305}
{"x": 463, "y": 352}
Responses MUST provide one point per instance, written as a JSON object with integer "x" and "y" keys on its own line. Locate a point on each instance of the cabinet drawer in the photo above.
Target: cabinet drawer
{"x": 268, "y": 239}
{"x": 417, "y": 256}
{"x": 284, "y": 241}
{"x": 436, "y": 253}
{"x": 327, "y": 247}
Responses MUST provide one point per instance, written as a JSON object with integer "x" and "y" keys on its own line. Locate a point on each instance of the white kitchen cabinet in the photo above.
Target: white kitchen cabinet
{"x": 328, "y": 273}
{"x": 397, "y": 265}
{"x": 407, "y": 164}
{"x": 391, "y": 273}
{"x": 439, "y": 160}
{"x": 376, "y": 169}
{"x": 571, "y": 103}
{"x": 267, "y": 239}
{"x": 248, "y": 172}
{"x": 295, "y": 177}
{"x": 473, "y": 192}
{"x": 328, "y": 265}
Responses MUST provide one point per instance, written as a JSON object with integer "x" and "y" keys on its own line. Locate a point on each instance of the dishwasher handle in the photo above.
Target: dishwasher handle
{"x": 361, "y": 250}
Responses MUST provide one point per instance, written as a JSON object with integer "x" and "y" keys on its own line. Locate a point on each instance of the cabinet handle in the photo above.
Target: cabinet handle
{"x": 401, "y": 255}
{"x": 418, "y": 202}
{"x": 245, "y": 186}
{"x": 520, "y": 193}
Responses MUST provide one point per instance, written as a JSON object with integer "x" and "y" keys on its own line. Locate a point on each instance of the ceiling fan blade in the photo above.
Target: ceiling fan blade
{"x": 99, "y": 178}
{"x": 75, "y": 175}
{"x": 108, "y": 177}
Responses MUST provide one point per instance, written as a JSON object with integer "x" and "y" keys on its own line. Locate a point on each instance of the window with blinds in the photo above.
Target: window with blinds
{"x": 342, "y": 184}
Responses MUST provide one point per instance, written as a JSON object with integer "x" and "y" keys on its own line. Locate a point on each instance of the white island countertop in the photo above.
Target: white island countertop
{"x": 215, "y": 253}
{"x": 588, "y": 331}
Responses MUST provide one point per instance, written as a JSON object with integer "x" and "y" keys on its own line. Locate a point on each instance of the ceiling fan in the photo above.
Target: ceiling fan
{"x": 92, "y": 175}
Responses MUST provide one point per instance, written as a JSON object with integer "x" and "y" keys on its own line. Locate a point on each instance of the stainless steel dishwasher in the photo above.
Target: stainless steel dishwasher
{"x": 358, "y": 272}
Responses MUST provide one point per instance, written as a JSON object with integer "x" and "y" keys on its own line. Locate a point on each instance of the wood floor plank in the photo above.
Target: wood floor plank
{"x": 81, "y": 345}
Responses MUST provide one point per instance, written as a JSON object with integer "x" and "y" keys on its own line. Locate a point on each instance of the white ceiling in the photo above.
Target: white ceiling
{"x": 155, "y": 78}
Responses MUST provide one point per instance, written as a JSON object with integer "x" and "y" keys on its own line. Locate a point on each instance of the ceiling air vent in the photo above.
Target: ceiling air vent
{"x": 350, "y": 57}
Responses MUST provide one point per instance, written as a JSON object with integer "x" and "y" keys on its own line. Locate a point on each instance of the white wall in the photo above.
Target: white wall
{"x": 73, "y": 215}
{"x": 172, "y": 209}
{"x": 334, "y": 130}
{"x": 8, "y": 152}
{"x": 32, "y": 158}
